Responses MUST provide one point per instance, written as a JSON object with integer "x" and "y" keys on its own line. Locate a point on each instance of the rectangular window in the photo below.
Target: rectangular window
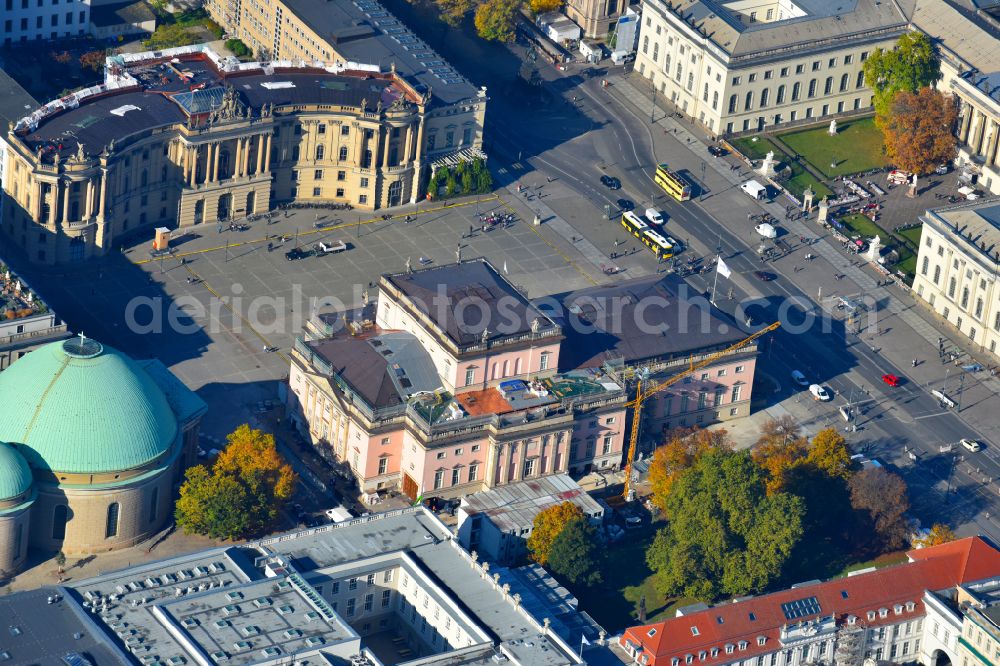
{"x": 317, "y": 191}
{"x": 386, "y": 598}
{"x": 369, "y": 601}
{"x": 352, "y": 584}
{"x": 470, "y": 376}
{"x": 473, "y": 472}
{"x": 318, "y": 174}
{"x": 383, "y": 465}
{"x": 456, "y": 476}
{"x": 543, "y": 361}
{"x": 341, "y": 175}
{"x": 438, "y": 479}
{"x": 350, "y": 607}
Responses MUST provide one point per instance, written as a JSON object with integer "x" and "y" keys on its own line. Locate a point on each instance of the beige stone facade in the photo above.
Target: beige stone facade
{"x": 751, "y": 68}
{"x": 957, "y": 270}
{"x": 595, "y": 17}
{"x": 73, "y": 194}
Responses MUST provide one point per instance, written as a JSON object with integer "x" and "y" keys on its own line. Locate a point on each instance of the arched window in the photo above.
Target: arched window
{"x": 733, "y": 101}
{"x": 111, "y": 529}
{"x": 343, "y": 153}
{"x": 812, "y": 88}
{"x": 764, "y": 94}
{"x": 828, "y": 86}
{"x": 924, "y": 266}
{"x": 937, "y": 274}
{"x": 320, "y": 151}
{"x": 715, "y": 100}
{"x": 780, "y": 99}
{"x": 845, "y": 81}
{"x": 965, "y": 297}
{"x": 59, "y": 517}
{"x": 796, "y": 91}
{"x": 951, "y": 288}
{"x": 154, "y": 500}
{"x": 748, "y": 102}
{"x": 861, "y": 79}
{"x": 979, "y": 308}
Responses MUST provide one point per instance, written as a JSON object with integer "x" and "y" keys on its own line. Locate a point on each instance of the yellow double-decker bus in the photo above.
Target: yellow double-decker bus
{"x": 660, "y": 246}
{"x": 672, "y": 183}
{"x": 634, "y": 224}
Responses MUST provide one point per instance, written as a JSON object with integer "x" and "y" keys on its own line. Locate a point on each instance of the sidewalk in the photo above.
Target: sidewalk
{"x": 919, "y": 341}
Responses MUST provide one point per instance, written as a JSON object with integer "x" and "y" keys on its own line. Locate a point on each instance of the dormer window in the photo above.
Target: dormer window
{"x": 910, "y": 606}
{"x": 675, "y": 661}
{"x": 883, "y": 612}
{"x": 651, "y": 632}
{"x": 898, "y": 609}
{"x": 761, "y": 640}
{"x": 851, "y": 620}
{"x": 742, "y": 645}
{"x": 688, "y": 658}
{"x": 729, "y": 648}
{"x": 715, "y": 652}
{"x": 871, "y": 615}
{"x": 702, "y": 654}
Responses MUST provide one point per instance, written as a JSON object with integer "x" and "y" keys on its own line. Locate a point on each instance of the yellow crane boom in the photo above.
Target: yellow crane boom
{"x": 643, "y": 393}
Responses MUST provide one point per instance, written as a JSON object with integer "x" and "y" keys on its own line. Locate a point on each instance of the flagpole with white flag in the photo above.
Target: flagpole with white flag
{"x": 583, "y": 641}
{"x": 720, "y": 267}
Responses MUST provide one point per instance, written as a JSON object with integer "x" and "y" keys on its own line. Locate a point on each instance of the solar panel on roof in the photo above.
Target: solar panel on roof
{"x": 793, "y": 610}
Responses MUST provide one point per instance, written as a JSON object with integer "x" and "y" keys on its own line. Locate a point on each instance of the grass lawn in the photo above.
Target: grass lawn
{"x": 857, "y": 147}
{"x": 860, "y": 224}
{"x": 756, "y": 147}
{"x": 801, "y": 179}
{"x": 912, "y": 234}
{"x": 613, "y": 602}
{"x": 886, "y": 560}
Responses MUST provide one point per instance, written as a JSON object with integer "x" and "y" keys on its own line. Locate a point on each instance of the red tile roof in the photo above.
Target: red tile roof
{"x": 935, "y": 568}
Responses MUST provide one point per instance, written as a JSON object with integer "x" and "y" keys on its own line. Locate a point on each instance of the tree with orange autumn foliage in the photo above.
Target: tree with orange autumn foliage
{"x": 918, "y": 130}
{"x": 241, "y": 496}
{"x": 549, "y": 524}
{"x": 678, "y": 454}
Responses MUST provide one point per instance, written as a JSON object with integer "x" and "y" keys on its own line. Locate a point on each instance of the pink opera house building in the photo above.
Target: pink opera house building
{"x": 450, "y": 381}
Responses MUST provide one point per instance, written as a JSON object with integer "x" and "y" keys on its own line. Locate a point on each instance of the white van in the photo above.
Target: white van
{"x": 654, "y": 216}
{"x": 754, "y": 190}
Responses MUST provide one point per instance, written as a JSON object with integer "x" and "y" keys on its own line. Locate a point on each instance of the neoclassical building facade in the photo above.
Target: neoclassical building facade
{"x": 183, "y": 137}
{"x": 92, "y": 446}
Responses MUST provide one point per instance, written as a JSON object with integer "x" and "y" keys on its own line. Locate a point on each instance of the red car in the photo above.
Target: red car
{"x": 891, "y": 380}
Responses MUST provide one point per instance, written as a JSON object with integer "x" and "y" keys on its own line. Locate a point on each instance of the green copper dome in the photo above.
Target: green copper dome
{"x": 15, "y": 476}
{"x": 79, "y": 407}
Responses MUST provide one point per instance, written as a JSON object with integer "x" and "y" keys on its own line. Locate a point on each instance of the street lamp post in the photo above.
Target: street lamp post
{"x": 702, "y": 197}
{"x": 652, "y": 96}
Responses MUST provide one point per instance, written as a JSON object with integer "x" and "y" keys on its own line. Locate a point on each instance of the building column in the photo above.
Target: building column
{"x": 359, "y": 146}
{"x": 963, "y": 133}
{"x": 245, "y": 171}
{"x": 267, "y": 154}
{"x": 215, "y": 162}
{"x": 54, "y": 202}
{"x": 260, "y": 153}
{"x": 195, "y": 153}
{"x": 104, "y": 195}
{"x": 407, "y": 145}
{"x": 238, "y": 163}
{"x": 65, "y": 213}
{"x": 37, "y": 198}
{"x": 417, "y": 155}
{"x": 89, "y": 201}
{"x": 385, "y": 147}
{"x": 977, "y": 138}
{"x": 991, "y": 151}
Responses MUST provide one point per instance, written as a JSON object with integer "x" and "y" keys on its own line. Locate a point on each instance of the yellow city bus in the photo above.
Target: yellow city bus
{"x": 660, "y": 246}
{"x": 672, "y": 183}
{"x": 633, "y": 224}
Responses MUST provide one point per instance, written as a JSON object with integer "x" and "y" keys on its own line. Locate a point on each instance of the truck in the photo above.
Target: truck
{"x": 330, "y": 247}
{"x": 754, "y": 190}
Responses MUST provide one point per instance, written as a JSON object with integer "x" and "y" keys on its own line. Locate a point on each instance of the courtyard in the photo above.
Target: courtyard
{"x": 856, "y": 147}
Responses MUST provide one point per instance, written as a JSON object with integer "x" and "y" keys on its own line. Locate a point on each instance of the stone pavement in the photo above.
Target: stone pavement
{"x": 915, "y": 330}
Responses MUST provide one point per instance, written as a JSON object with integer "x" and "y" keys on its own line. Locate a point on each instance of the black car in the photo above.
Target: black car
{"x": 716, "y": 151}
{"x": 625, "y": 205}
{"x": 611, "y": 182}
{"x": 295, "y": 253}
{"x": 764, "y": 276}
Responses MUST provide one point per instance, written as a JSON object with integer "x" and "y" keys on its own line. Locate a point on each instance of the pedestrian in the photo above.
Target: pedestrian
{"x": 914, "y": 363}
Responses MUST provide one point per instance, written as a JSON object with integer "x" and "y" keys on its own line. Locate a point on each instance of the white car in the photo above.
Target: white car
{"x": 338, "y": 514}
{"x": 654, "y": 216}
{"x": 819, "y": 392}
{"x": 972, "y": 445}
{"x": 799, "y": 378}
{"x": 766, "y": 230}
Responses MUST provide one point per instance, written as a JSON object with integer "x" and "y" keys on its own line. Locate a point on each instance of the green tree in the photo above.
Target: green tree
{"x": 496, "y": 20}
{"x": 61, "y": 561}
{"x": 450, "y": 184}
{"x": 575, "y": 556}
{"x": 454, "y": 11}
{"x": 239, "y": 49}
{"x": 910, "y": 65}
{"x": 169, "y": 36}
{"x": 726, "y": 535}
{"x": 548, "y": 524}
{"x": 243, "y": 492}
{"x": 680, "y": 451}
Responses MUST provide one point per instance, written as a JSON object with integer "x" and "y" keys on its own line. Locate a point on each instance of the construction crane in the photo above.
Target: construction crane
{"x": 643, "y": 393}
